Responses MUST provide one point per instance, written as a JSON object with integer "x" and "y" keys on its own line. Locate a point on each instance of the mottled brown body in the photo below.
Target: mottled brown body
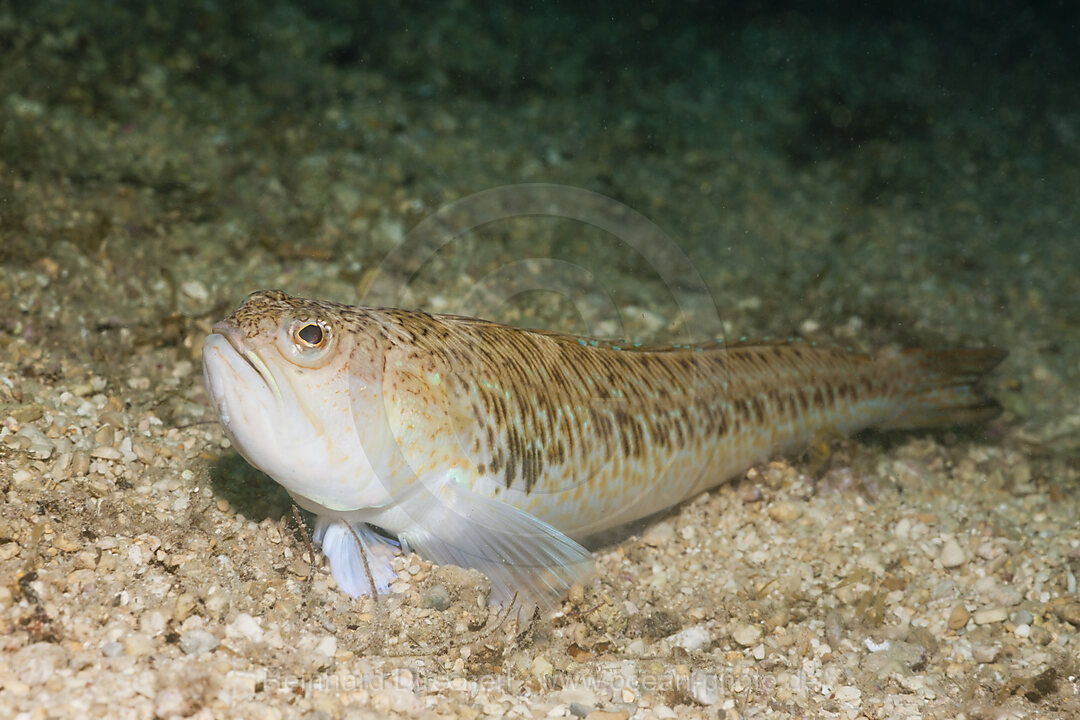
{"x": 586, "y": 435}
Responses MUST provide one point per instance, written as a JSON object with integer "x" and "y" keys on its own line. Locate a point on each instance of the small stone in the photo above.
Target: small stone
{"x": 112, "y": 649}
{"x": 64, "y": 543}
{"x": 704, "y": 687}
{"x": 1022, "y": 631}
{"x": 105, "y": 436}
{"x": 784, "y": 512}
{"x": 9, "y": 550}
{"x": 27, "y": 413}
{"x": 1022, "y": 617}
{"x": 170, "y": 703}
{"x": 198, "y": 642}
{"x": 580, "y": 710}
{"x": 152, "y": 623}
{"x": 137, "y": 644}
{"x": 692, "y": 638}
{"x": 106, "y": 452}
{"x": 437, "y": 597}
{"x": 1069, "y": 612}
{"x": 576, "y": 596}
{"x": 143, "y": 450}
{"x": 659, "y": 535}
{"x": 185, "y": 603}
{"x": 245, "y": 626}
{"x": 608, "y": 715}
{"x": 327, "y": 647}
{"x": 541, "y": 667}
{"x": 958, "y": 618}
{"x": 985, "y": 653}
{"x": 80, "y": 463}
{"x": 952, "y": 555}
{"x": 847, "y": 694}
{"x": 746, "y": 634}
{"x": 36, "y": 663}
{"x": 986, "y": 616}
{"x": 195, "y": 290}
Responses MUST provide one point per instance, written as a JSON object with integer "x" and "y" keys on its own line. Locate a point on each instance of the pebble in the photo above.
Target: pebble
{"x": 580, "y": 710}
{"x": 986, "y": 616}
{"x": 137, "y": 644}
{"x": 327, "y": 647}
{"x": 195, "y": 290}
{"x": 541, "y": 667}
{"x": 170, "y": 703}
{"x": 746, "y": 634}
{"x": 952, "y": 555}
{"x": 27, "y": 413}
{"x": 112, "y": 649}
{"x": 1069, "y": 612}
{"x": 437, "y": 597}
{"x": 106, "y": 452}
{"x": 80, "y": 463}
{"x": 783, "y": 512}
{"x": 185, "y": 603}
{"x": 608, "y": 715}
{"x": 692, "y": 638}
{"x": 847, "y": 694}
{"x": 704, "y": 687}
{"x": 143, "y": 450}
{"x": 198, "y": 642}
{"x": 245, "y": 626}
{"x": 9, "y": 550}
{"x": 41, "y": 447}
{"x": 36, "y": 663}
{"x": 659, "y": 534}
{"x": 1022, "y": 617}
{"x": 984, "y": 654}
{"x": 958, "y": 618}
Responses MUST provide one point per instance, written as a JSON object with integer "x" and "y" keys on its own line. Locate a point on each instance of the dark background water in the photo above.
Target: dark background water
{"x": 913, "y": 165}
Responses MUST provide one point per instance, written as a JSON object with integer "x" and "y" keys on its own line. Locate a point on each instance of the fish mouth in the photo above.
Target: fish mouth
{"x": 233, "y": 337}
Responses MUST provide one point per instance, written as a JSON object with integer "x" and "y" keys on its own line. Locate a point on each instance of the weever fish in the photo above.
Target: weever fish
{"x": 494, "y": 447}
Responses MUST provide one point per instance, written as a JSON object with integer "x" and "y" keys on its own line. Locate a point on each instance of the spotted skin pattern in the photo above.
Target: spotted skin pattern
{"x": 588, "y": 435}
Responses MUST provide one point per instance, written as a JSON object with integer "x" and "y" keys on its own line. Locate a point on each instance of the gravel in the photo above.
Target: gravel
{"x": 149, "y": 572}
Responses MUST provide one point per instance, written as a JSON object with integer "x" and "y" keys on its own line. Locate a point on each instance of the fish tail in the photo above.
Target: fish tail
{"x": 941, "y": 387}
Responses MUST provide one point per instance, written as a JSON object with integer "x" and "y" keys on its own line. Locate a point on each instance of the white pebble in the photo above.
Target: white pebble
{"x": 197, "y": 642}
{"x": 327, "y": 647}
{"x": 195, "y": 290}
{"x": 704, "y": 687}
{"x": 692, "y": 638}
{"x": 659, "y": 535}
{"x": 848, "y": 694}
{"x": 746, "y": 634}
{"x": 36, "y": 663}
{"x": 245, "y": 626}
{"x": 986, "y": 616}
{"x": 952, "y": 555}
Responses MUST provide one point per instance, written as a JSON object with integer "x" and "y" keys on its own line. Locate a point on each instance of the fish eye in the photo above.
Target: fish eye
{"x": 310, "y": 334}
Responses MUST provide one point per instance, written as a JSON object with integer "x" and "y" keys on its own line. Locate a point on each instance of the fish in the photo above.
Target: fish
{"x": 504, "y": 449}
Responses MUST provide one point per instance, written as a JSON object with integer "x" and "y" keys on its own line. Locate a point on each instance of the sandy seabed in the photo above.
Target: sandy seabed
{"x": 146, "y": 571}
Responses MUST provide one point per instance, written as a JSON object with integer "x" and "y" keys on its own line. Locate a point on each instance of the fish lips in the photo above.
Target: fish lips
{"x": 234, "y": 375}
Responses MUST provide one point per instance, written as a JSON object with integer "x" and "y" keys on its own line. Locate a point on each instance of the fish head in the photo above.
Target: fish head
{"x": 284, "y": 374}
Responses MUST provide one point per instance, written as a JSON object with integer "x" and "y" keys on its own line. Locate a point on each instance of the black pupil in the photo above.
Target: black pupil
{"x": 311, "y": 334}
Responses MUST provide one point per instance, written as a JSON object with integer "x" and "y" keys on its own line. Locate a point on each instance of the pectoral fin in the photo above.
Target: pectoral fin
{"x": 347, "y": 563}
{"x": 528, "y": 561}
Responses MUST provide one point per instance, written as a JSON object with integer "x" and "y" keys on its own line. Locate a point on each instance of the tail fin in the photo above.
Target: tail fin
{"x": 941, "y": 387}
